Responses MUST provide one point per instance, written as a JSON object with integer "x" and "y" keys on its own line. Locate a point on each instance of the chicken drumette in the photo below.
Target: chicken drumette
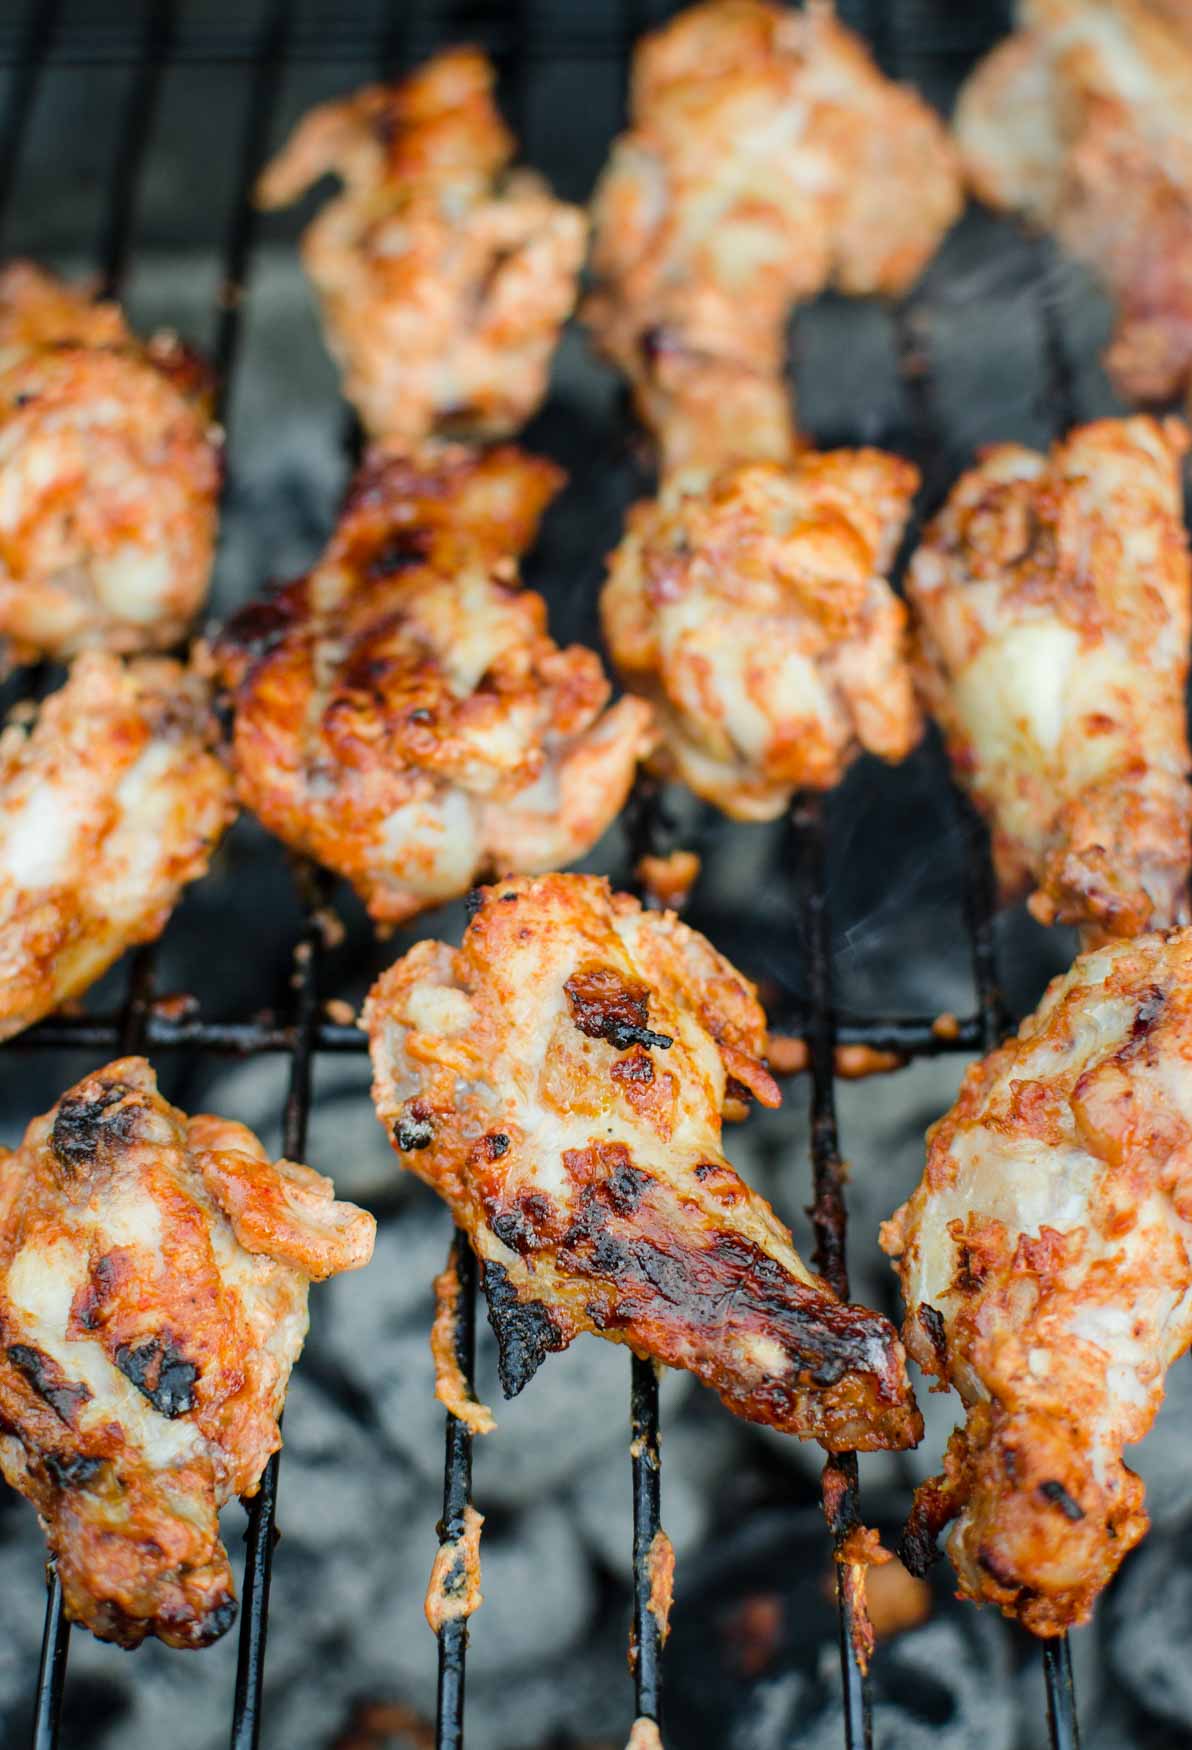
{"x": 766, "y": 158}
{"x": 1052, "y": 599}
{"x": 402, "y": 714}
{"x": 153, "y": 1281}
{"x": 1082, "y": 122}
{"x": 444, "y": 277}
{"x": 1045, "y": 1268}
{"x": 110, "y": 802}
{"x": 560, "y": 1081}
{"x": 109, "y": 471}
{"x": 752, "y": 610}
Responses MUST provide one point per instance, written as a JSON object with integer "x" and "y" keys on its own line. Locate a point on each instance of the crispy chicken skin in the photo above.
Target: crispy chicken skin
{"x": 752, "y": 609}
{"x": 766, "y": 158}
{"x": 402, "y": 714}
{"x": 153, "y": 1281}
{"x": 560, "y": 1081}
{"x": 1052, "y": 599}
{"x": 1045, "y": 1269}
{"x": 111, "y": 801}
{"x": 1082, "y": 122}
{"x": 444, "y": 277}
{"x": 109, "y": 473}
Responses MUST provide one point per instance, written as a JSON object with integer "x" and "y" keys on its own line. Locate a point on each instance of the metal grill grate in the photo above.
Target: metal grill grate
{"x": 284, "y": 38}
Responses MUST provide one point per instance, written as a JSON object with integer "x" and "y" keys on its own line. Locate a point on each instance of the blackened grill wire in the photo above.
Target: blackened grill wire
{"x": 136, "y": 123}
{"x": 140, "y": 1028}
{"x": 809, "y": 831}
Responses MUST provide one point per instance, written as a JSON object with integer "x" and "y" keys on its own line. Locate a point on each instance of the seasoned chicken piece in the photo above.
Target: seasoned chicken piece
{"x": 1082, "y": 122}
{"x": 560, "y": 1081}
{"x": 752, "y": 609}
{"x": 109, "y": 472}
{"x": 110, "y": 802}
{"x": 402, "y": 714}
{"x": 1052, "y": 600}
{"x": 153, "y": 1281}
{"x": 1045, "y": 1269}
{"x": 766, "y": 158}
{"x": 444, "y": 277}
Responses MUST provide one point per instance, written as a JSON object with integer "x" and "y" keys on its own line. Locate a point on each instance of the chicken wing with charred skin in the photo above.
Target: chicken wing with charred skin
{"x": 752, "y": 610}
{"x": 766, "y": 158}
{"x": 1052, "y": 598}
{"x": 1045, "y": 1269}
{"x": 402, "y": 714}
{"x": 444, "y": 277}
{"x": 153, "y": 1282}
{"x": 111, "y": 801}
{"x": 1082, "y": 122}
{"x": 109, "y": 474}
{"x": 560, "y": 1081}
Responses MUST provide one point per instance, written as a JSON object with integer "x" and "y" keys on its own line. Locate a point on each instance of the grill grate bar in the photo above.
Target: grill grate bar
{"x": 1062, "y": 1721}
{"x": 906, "y": 1035}
{"x": 51, "y": 1673}
{"x": 268, "y": 65}
{"x": 644, "y": 825}
{"x": 116, "y": 242}
{"x": 457, "y": 1498}
{"x": 829, "y": 1218}
{"x": 131, "y": 1027}
{"x": 646, "y": 1636}
{"x": 27, "y": 67}
{"x": 261, "y": 1534}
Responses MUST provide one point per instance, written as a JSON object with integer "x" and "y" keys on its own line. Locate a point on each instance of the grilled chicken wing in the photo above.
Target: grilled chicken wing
{"x": 110, "y": 802}
{"x": 766, "y": 158}
{"x": 752, "y": 610}
{"x": 1052, "y": 596}
{"x": 109, "y": 471}
{"x": 1082, "y": 122}
{"x": 153, "y": 1281}
{"x": 444, "y": 278}
{"x": 402, "y": 713}
{"x": 560, "y": 1081}
{"x": 1045, "y": 1269}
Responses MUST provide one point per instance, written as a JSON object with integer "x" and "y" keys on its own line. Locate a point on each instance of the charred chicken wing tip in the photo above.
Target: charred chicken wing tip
{"x": 560, "y": 1080}
{"x": 153, "y": 1283}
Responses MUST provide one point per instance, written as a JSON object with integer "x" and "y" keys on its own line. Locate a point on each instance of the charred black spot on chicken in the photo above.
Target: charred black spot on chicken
{"x": 88, "y": 1119}
{"x": 64, "y": 1396}
{"x": 526, "y": 1332}
{"x": 161, "y": 1373}
{"x": 606, "y": 1005}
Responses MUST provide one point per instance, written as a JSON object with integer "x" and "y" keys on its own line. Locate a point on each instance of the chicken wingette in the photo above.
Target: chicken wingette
{"x": 444, "y": 277}
{"x": 560, "y": 1081}
{"x": 153, "y": 1281}
{"x": 766, "y": 158}
{"x": 1045, "y": 1270}
{"x": 109, "y": 475}
{"x": 751, "y": 608}
{"x": 1082, "y": 122}
{"x": 1052, "y": 599}
{"x": 112, "y": 798}
{"x": 402, "y": 714}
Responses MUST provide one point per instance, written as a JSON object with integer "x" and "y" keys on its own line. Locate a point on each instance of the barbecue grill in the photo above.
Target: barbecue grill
{"x": 288, "y": 45}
